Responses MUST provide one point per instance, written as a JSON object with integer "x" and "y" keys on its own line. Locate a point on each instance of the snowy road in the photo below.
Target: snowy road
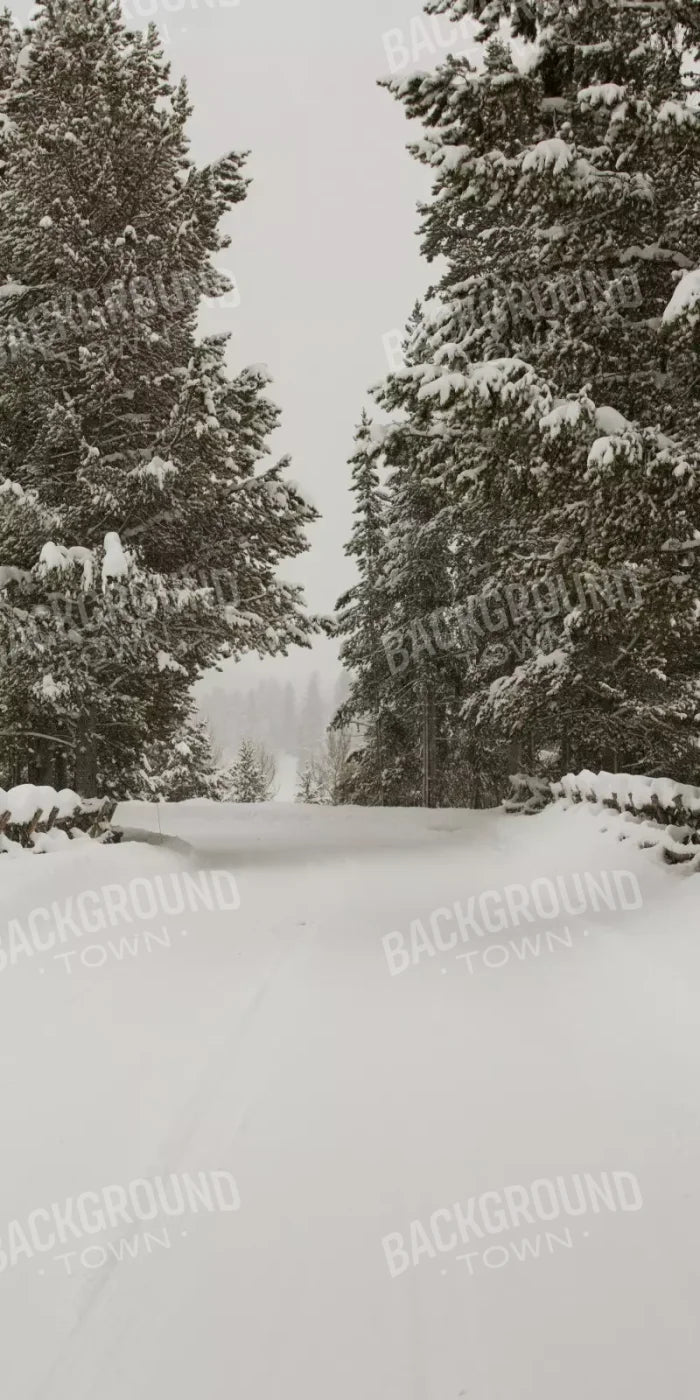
{"x": 273, "y": 1043}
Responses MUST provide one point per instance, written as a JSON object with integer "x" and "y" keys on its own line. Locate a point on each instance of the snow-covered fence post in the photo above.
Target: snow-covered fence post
{"x": 31, "y": 827}
{"x": 529, "y": 795}
{"x": 104, "y": 814}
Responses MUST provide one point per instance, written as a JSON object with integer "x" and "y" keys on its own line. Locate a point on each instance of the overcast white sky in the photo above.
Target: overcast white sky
{"x": 324, "y": 249}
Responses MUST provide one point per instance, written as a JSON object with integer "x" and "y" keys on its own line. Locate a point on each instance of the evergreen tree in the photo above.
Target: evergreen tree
{"x": 112, "y": 417}
{"x": 601, "y": 599}
{"x": 362, "y": 618}
{"x": 307, "y": 784}
{"x": 530, "y": 410}
{"x": 404, "y": 548}
{"x": 251, "y": 776}
{"x": 580, "y": 175}
{"x": 183, "y": 769}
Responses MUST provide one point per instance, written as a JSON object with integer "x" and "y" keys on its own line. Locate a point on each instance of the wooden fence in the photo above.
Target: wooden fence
{"x": 657, "y": 812}
{"x": 38, "y": 819}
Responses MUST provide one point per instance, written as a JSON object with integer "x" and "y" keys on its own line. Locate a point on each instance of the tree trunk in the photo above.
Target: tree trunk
{"x": 86, "y": 760}
{"x": 609, "y": 759}
{"x": 527, "y": 753}
{"x": 60, "y": 779}
{"x": 428, "y": 748}
{"x": 46, "y": 753}
{"x": 565, "y": 757}
{"x": 380, "y": 754}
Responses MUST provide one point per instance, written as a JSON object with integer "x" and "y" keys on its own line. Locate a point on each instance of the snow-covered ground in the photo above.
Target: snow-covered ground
{"x": 350, "y": 1086}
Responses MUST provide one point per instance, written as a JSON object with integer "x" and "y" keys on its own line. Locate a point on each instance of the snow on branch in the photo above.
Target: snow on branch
{"x": 685, "y": 301}
{"x": 601, "y": 94}
{"x": 508, "y": 380}
{"x": 115, "y": 563}
{"x": 553, "y": 154}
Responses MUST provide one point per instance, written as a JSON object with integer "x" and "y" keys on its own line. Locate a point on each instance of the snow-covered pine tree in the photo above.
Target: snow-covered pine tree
{"x": 250, "y": 777}
{"x": 426, "y": 663}
{"x": 10, "y": 46}
{"x": 307, "y": 783}
{"x": 578, "y": 171}
{"x": 602, "y": 595}
{"x": 111, "y": 412}
{"x": 181, "y": 769}
{"x": 574, "y": 169}
{"x": 362, "y": 619}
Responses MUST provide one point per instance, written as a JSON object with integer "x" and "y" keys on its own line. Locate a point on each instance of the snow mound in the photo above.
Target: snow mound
{"x": 629, "y": 790}
{"x": 24, "y": 809}
{"x": 23, "y": 802}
